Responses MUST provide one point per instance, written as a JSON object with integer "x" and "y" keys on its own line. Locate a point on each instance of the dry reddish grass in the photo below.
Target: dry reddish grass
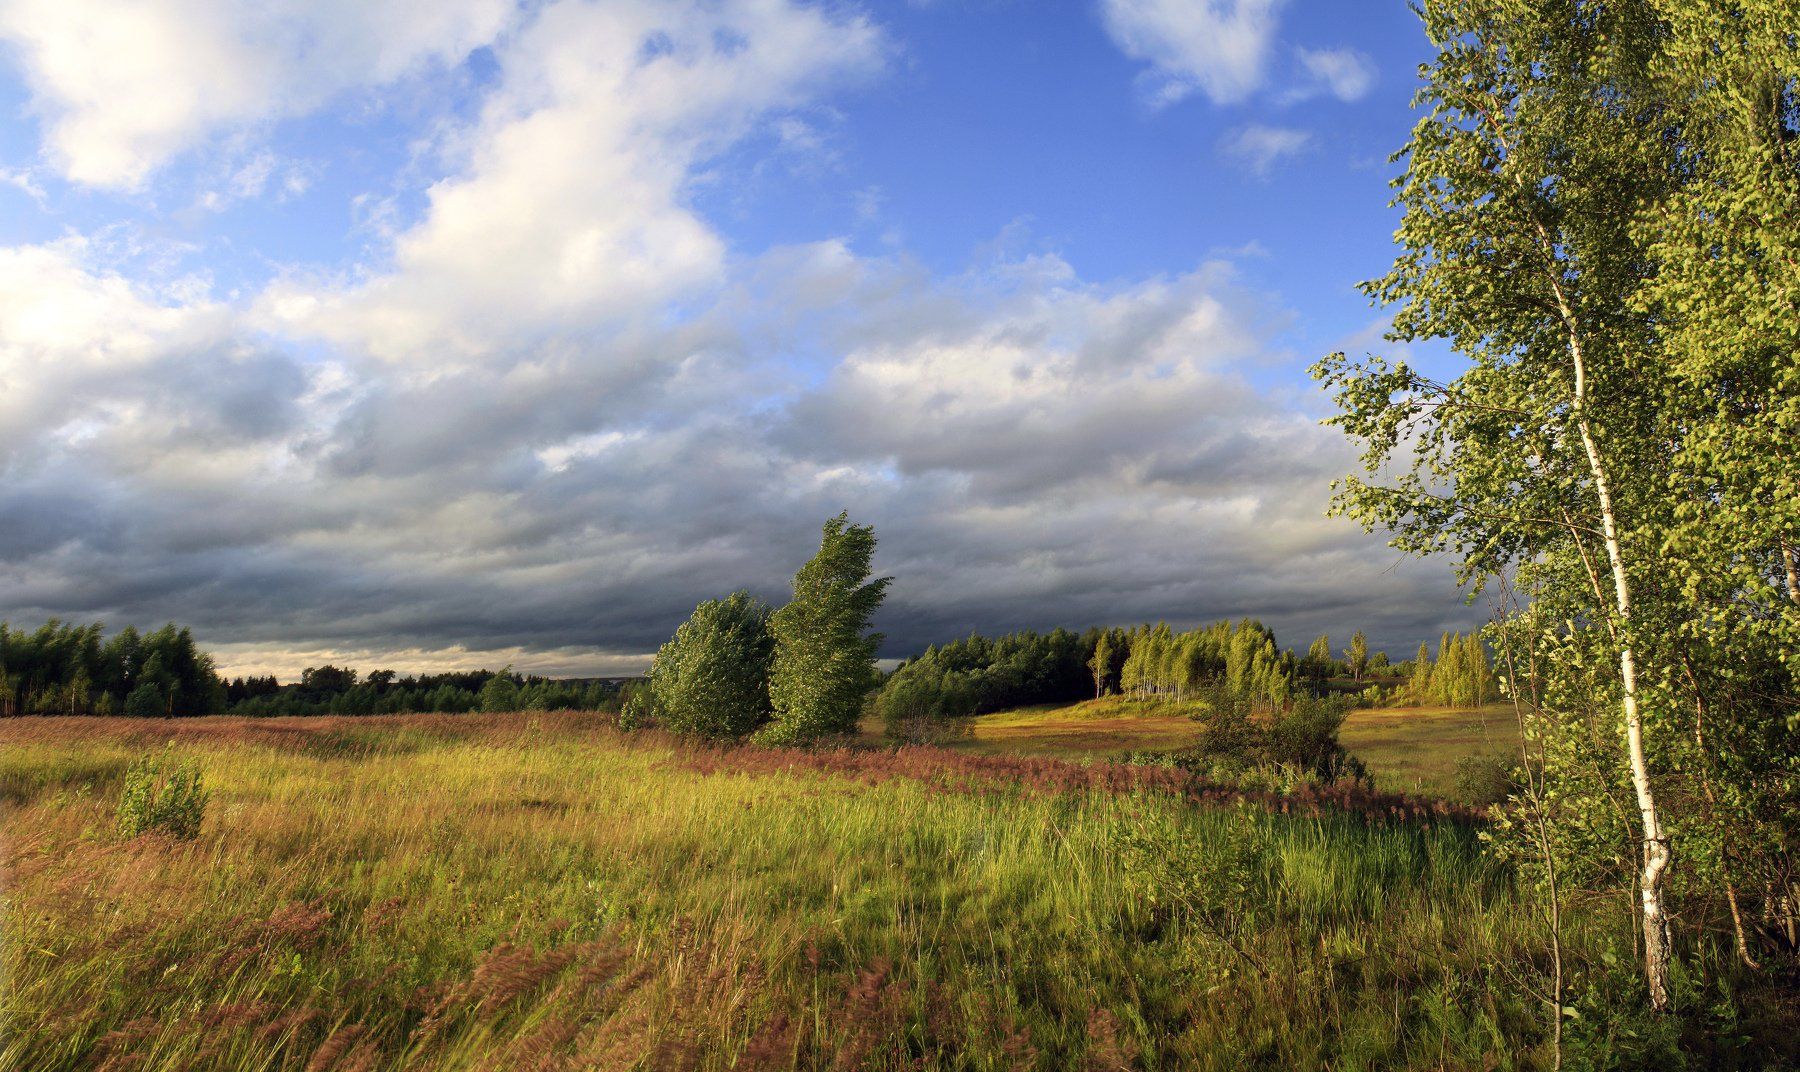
{"x": 293, "y": 734}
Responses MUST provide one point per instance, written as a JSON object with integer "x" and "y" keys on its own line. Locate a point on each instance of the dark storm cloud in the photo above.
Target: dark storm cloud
{"x": 1033, "y": 450}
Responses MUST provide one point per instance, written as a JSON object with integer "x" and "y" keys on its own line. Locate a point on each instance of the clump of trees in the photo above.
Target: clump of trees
{"x": 1602, "y": 217}
{"x": 1460, "y": 676}
{"x": 1241, "y": 660}
{"x": 62, "y": 669}
{"x": 976, "y": 674}
{"x": 1222, "y": 662}
{"x": 789, "y": 676}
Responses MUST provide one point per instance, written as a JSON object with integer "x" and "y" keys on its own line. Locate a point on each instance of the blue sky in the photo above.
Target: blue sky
{"x": 453, "y": 334}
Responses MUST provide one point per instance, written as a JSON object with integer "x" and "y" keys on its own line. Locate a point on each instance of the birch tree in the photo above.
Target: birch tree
{"x": 1725, "y": 295}
{"x": 1101, "y": 663}
{"x": 1520, "y": 185}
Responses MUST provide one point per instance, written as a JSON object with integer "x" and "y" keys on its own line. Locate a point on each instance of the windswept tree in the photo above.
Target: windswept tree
{"x": 824, "y": 664}
{"x": 712, "y": 678}
{"x": 500, "y": 694}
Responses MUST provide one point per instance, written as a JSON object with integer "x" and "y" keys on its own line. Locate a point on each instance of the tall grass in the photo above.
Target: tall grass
{"x": 502, "y": 892}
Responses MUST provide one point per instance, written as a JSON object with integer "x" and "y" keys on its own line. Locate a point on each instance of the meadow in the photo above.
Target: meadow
{"x": 543, "y": 891}
{"x": 1407, "y": 749}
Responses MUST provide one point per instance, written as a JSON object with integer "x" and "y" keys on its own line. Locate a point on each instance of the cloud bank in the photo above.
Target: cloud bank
{"x": 555, "y": 407}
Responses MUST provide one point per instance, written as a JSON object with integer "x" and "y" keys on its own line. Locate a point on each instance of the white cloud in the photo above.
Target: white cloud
{"x": 157, "y": 388}
{"x": 1344, "y": 73}
{"x": 1026, "y": 376}
{"x": 1261, "y": 147}
{"x": 1218, "y": 47}
{"x": 122, "y": 88}
{"x": 570, "y": 208}
{"x": 247, "y": 178}
{"x": 24, "y": 181}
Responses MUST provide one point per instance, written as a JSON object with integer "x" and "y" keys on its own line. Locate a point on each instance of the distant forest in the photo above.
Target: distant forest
{"x": 63, "y": 669}
{"x": 60, "y": 669}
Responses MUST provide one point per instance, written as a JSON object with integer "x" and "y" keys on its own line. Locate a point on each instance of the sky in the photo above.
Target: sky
{"x": 464, "y": 332}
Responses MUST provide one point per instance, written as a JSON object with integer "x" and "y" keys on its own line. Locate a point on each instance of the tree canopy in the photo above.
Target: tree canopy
{"x": 712, "y": 677}
{"x": 1599, "y": 216}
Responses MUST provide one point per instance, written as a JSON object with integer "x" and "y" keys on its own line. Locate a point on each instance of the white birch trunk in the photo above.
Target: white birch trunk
{"x": 1656, "y": 855}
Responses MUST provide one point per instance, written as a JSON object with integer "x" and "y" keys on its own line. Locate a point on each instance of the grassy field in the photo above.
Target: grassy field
{"x": 1415, "y": 749}
{"x": 1408, "y": 749}
{"x": 541, "y": 891}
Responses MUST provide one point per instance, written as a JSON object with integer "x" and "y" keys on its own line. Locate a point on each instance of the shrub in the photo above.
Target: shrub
{"x": 160, "y": 795}
{"x": 712, "y": 678}
{"x": 1305, "y": 737}
{"x": 1222, "y": 876}
{"x": 1231, "y": 741}
{"x": 1484, "y": 780}
{"x": 144, "y": 702}
{"x": 638, "y": 710}
{"x": 1300, "y": 746}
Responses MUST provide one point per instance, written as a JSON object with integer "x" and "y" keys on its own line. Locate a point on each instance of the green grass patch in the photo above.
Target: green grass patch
{"x": 543, "y": 892}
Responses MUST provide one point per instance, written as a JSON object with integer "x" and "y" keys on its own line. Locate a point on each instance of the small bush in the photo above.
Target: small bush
{"x": 1305, "y": 738}
{"x": 1222, "y": 877}
{"x": 639, "y": 710}
{"x": 1484, "y": 780}
{"x": 1232, "y": 742}
{"x": 1300, "y": 744}
{"x": 144, "y": 702}
{"x": 160, "y": 795}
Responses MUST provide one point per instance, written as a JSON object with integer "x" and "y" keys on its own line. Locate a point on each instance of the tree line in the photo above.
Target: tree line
{"x": 75, "y": 670}
{"x": 332, "y": 690}
{"x": 1224, "y": 661}
{"x": 1601, "y": 217}
{"x": 63, "y": 669}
